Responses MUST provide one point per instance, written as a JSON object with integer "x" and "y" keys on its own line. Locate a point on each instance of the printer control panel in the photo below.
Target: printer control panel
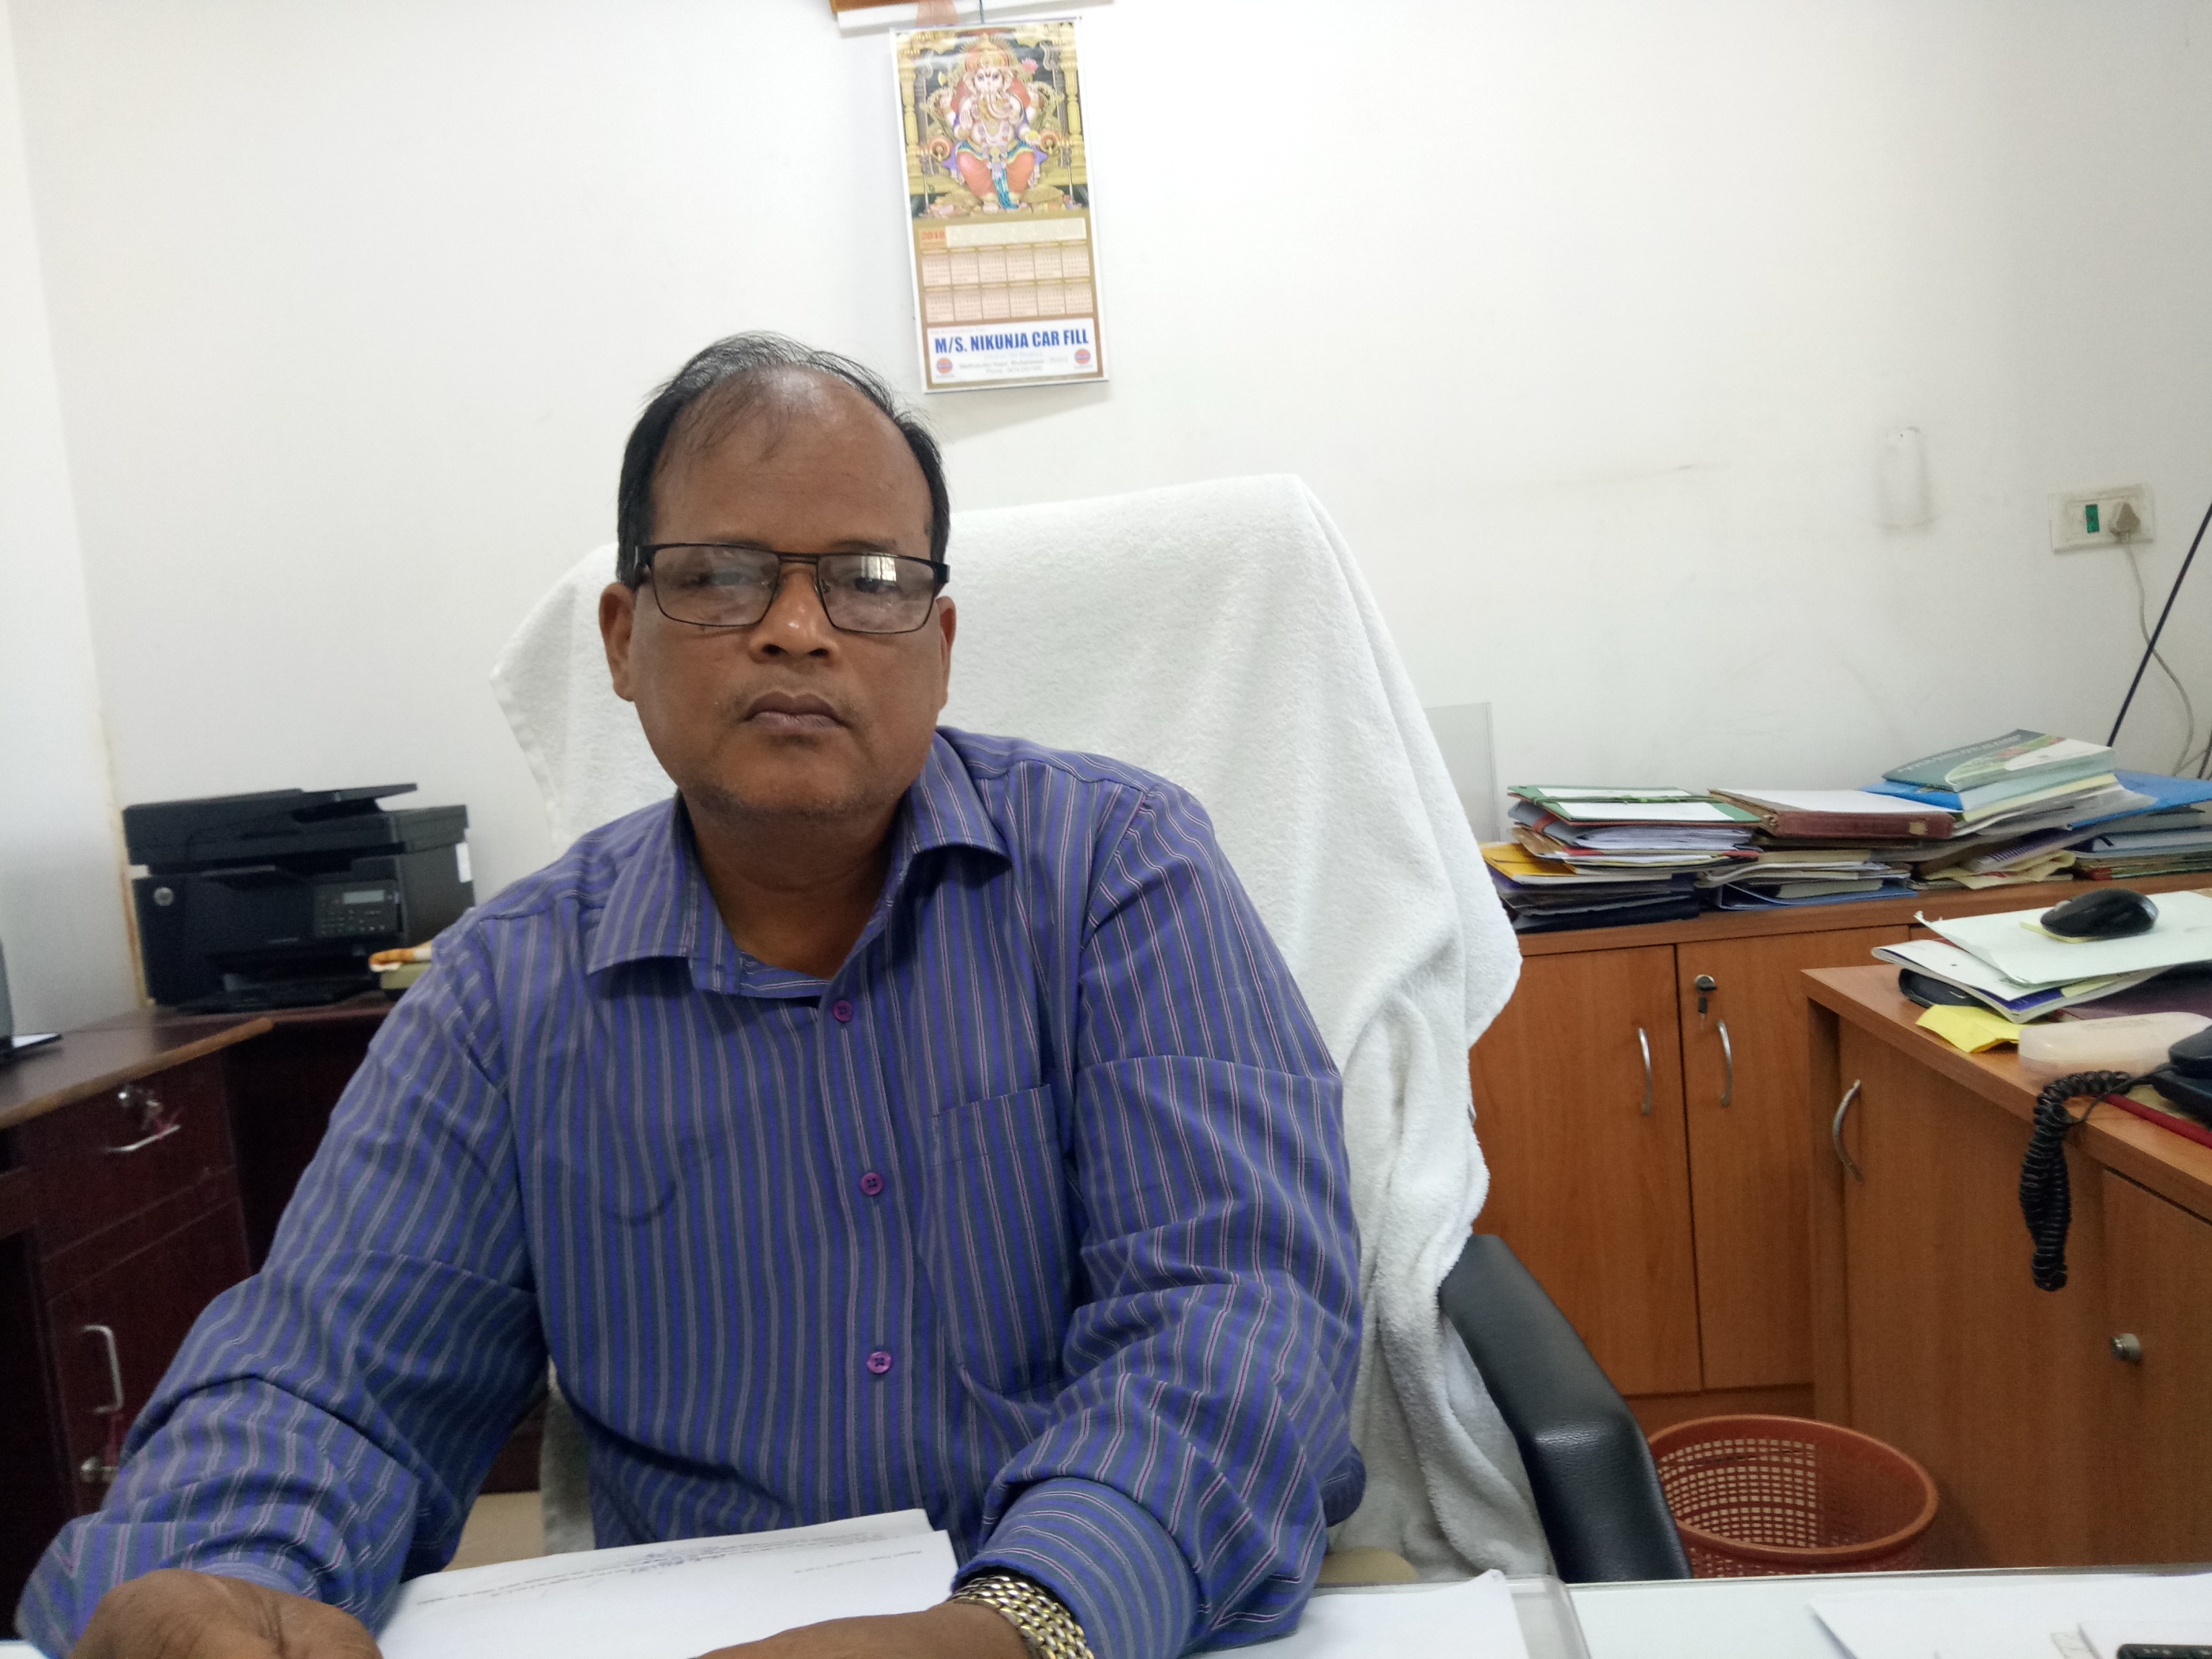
{"x": 363, "y": 911}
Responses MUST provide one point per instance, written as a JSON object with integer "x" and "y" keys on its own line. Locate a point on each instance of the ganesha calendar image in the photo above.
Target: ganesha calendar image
{"x": 1006, "y": 269}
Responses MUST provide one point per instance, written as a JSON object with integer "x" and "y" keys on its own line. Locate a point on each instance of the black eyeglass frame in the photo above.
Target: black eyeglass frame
{"x": 939, "y": 570}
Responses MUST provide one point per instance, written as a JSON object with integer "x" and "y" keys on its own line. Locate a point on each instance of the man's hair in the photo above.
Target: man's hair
{"x": 721, "y": 385}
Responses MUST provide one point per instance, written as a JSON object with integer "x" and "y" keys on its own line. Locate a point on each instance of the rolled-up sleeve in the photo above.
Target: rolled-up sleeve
{"x": 1179, "y": 1494}
{"x": 326, "y": 1423}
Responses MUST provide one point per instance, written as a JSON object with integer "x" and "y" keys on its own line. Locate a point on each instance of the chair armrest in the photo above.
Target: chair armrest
{"x": 1588, "y": 1465}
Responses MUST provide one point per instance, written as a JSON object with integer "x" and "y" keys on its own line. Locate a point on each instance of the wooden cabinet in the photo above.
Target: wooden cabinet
{"x": 119, "y": 1221}
{"x": 2157, "y": 1494}
{"x": 1744, "y": 1077}
{"x": 1676, "y": 1244}
{"x": 1954, "y": 1355}
{"x": 1578, "y": 1101}
{"x": 2048, "y": 1447}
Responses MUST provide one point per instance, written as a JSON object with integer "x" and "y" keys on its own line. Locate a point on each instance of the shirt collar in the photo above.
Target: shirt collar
{"x": 659, "y": 904}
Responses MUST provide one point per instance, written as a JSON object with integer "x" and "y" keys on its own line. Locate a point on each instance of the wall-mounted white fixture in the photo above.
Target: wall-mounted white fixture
{"x": 1904, "y": 498}
{"x": 2092, "y": 518}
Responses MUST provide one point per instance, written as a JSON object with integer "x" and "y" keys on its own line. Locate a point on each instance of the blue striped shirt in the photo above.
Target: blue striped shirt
{"x": 1034, "y": 1216}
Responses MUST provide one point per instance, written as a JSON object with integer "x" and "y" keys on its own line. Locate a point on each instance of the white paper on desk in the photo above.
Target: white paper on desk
{"x": 1474, "y": 1618}
{"x": 1601, "y": 809}
{"x": 2175, "y": 1611}
{"x": 1863, "y": 803}
{"x": 2013, "y": 1616}
{"x": 672, "y": 1600}
{"x": 2182, "y": 933}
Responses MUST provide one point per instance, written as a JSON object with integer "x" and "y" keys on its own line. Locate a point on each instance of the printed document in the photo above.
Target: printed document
{"x": 673, "y": 1601}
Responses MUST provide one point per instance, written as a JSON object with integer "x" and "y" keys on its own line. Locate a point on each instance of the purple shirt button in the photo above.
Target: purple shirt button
{"x": 879, "y": 1361}
{"x": 872, "y": 1183}
{"x": 841, "y": 1010}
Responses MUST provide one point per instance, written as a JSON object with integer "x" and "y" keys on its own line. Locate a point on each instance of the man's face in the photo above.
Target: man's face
{"x": 790, "y": 717}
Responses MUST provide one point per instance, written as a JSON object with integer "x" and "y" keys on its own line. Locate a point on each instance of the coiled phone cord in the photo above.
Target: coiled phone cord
{"x": 2046, "y": 1199}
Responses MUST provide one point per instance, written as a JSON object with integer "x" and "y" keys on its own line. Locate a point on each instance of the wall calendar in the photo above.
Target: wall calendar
{"x": 1005, "y": 266}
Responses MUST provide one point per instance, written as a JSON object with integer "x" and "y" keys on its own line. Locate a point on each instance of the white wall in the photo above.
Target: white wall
{"x": 353, "y": 303}
{"x": 61, "y": 895}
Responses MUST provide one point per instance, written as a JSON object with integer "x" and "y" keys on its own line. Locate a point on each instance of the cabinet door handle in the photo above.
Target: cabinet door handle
{"x": 1644, "y": 1043}
{"x": 1727, "y": 1054}
{"x": 1835, "y": 1135}
{"x": 106, "y": 1335}
{"x": 141, "y": 1145}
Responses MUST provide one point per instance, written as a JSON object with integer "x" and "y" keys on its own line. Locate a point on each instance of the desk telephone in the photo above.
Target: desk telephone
{"x": 2184, "y": 1081}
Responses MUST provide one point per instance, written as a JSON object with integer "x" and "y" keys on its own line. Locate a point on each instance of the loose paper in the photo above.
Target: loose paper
{"x": 2006, "y": 1615}
{"x": 1474, "y": 1618}
{"x": 1862, "y": 802}
{"x": 1004, "y": 262}
{"x": 673, "y": 1601}
{"x": 2012, "y": 944}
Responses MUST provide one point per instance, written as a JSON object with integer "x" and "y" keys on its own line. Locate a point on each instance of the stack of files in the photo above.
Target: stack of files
{"x": 1542, "y": 897}
{"x": 1591, "y": 827}
{"x": 2018, "y": 1002}
{"x": 1992, "y": 781}
{"x": 2145, "y": 801}
{"x": 1824, "y": 846}
{"x": 2173, "y": 838}
{"x": 2009, "y": 962}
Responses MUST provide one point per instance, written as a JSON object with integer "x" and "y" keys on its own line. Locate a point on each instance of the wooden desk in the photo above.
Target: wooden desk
{"x": 119, "y": 1220}
{"x": 2050, "y": 1450}
{"x": 1673, "y": 1237}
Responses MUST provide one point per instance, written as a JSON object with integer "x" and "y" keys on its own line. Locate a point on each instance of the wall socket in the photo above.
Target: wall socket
{"x": 2082, "y": 518}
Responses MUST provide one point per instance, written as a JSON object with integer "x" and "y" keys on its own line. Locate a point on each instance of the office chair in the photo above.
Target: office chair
{"x": 1589, "y": 1468}
{"x": 1222, "y": 636}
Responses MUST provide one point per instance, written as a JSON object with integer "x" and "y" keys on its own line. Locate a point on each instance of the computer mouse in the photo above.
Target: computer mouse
{"x": 2109, "y": 913}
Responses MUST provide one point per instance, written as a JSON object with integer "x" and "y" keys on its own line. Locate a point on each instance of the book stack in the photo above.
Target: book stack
{"x": 2019, "y": 806}
{"x": 2172, "y": 839}
{"x": 1595, "y": 856}
{"x": 1824, "y": 846}
{"x": 2023, "y": 807}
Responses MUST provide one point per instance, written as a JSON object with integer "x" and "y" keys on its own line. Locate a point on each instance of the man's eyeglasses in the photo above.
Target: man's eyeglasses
{"x": 714, "y": 585}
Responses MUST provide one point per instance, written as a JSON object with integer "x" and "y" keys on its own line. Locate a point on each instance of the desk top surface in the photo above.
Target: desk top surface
{"x": 145, "y": 1041}
{"x": 2169, "y": 1164}
{"x": 101, "y": 1057}
{"x": 1753, "y": 1618}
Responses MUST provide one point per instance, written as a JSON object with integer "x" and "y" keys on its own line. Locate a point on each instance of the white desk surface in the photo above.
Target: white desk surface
{"x": 1703, "y": 1619}
{"x": 1745, "y": 1617}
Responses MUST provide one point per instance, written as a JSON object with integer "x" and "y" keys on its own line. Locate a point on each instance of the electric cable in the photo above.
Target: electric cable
{"x": 2142, "y": 627}
{"x": 2046, "y": 1200}
{"x": 2150, "y": 647}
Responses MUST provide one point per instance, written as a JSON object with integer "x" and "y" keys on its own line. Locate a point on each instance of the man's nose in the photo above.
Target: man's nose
{"x": 795, "y": 624}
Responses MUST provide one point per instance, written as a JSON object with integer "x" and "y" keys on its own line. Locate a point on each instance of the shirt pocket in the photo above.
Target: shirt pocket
{"x": 997, "y": 1238}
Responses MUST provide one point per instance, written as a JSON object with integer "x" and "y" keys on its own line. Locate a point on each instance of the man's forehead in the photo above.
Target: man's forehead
{"x": 753, "y": 417}
{"x": 808, "y": 444}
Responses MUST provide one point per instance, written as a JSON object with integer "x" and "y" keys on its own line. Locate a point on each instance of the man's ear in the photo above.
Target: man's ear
{"x": 617, "y": 611}
{"x": 948, "y": 619}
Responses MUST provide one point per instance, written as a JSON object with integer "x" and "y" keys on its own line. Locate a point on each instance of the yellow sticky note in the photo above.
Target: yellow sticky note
{"x": 1970, "y": 1030}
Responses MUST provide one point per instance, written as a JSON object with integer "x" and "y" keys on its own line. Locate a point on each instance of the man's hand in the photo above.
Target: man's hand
{"x": 199, "y": 1615}
{"x": 952, "y": 1630}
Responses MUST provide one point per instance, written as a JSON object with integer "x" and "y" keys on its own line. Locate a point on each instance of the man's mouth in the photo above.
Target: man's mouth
{"x": 783, "y": 712}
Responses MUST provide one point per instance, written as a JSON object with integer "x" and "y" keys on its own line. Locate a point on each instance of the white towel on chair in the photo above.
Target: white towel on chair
{"x": 1221, "y": 636}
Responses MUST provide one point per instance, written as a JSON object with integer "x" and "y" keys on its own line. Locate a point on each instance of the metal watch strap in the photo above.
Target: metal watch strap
{"x": 1047, "y": 1629}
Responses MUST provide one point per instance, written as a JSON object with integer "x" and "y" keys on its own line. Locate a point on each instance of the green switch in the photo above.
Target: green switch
{"x": 2089, "y": 518}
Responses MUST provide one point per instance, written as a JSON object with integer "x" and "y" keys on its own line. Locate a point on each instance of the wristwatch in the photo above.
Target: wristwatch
{"x": 1047, "y": 1629}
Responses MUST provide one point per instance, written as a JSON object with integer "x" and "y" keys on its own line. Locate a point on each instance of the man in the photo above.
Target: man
{"x": 894, "y": 1119}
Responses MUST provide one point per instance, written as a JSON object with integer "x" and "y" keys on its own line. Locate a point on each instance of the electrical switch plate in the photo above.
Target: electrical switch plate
{"x": 2082, "y": 518}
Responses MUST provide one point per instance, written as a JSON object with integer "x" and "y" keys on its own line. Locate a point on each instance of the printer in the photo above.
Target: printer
{"x": 277, "y": 900}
